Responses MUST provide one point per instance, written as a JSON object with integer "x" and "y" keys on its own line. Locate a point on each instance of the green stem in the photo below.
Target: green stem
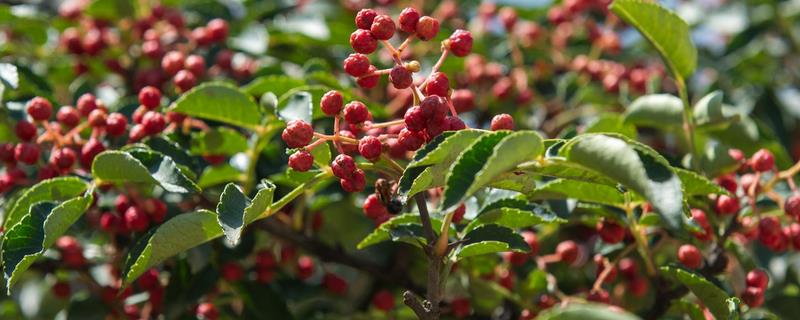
{"x": 688, "y": 123}
{"x": 297, "y": 191}
{"x": 639, "y": 237}
{"x": 264, "y": 134}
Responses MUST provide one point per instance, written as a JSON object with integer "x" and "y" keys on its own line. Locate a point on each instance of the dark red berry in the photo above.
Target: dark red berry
{"x": 136, "y": 220}
{"x": 331, "y": 102}
{"x": 232, "y": 271}
{"x": 356, "y": 64}
{"x": 196, "y": 65}
{"x": 171, "y": 63}
{"x": 753, "y": 297}
{"x": 356, "y": 112}
{"x": 373, "y": 207}
{"x": 502, "y": 121}
{"x": 89, "y": 150}
{"x": 348, "y": 148}
{"x": 458, "y": 214}
{"x": 438, "y": 85}
{"x": 726, "y": 205}
{"x": 301, "y": 161}
{"x": 728, "y": 182}
{"x": 370, "y": 148}
{"x": 408, "y": 20}
{"x": 217, "y": 30}
{"x": 109, "y": 222}
{"x": 297, "y": 134}
{"x": 509, "y": 17}
{"x": 343, "y": 166}
{"x": 454, "y": 123}
{"x": 68, "y": 116}
{"x": 567, "y": 251}
{"x": 400, "y": 77}
{"x": 184, "y": 80}
{"x": 757, "y": 278}
{"x": 427, "y": 28}
{"x": 25, "y": 130}
{"x": 207, "y": 311}
{"x": 690, "y": 256}
{"x": 152, "y": 49}
{"x": 334, "y": 284}
{"x": 356, "y": 183}
{"x": 532, "y": 241}
{"x": 463, "y": 100}
{"x": 762, "y": 161}
{"x": 362, "y": 41}
{"x": 305, "y": 267}
{"x": 153, "y": 122}
{"x": 156, "y": 209}
{"x": 461, "y": 43}
{"x": 461, "y": 307}
{"x": 150, "y": 97}
{"x": 63, "y": 158}
{"x": 61, "y": 290}
{"x": 383, "y": 300}
{"x": 610, "y": 231}
{"x": 40, "y": 109}
{"x": 116, "y": 123}
{"x": 97, "y": 118}
{"x": 410, "y": 140}
{"x": 86, "y": 104}
{"x": 364, "y": 18}
{"x": 370, "y": 80}
{"x": 149, "y": 280}
{"x": 383, "y": 27}
{"x": 792, "y": 205}
{"x": 27, "y": 153}
{"x": 599, "y": 296}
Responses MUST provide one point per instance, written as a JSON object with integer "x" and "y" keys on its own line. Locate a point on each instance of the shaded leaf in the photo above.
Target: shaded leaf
{"x": 491, "y": 238}
{"x": 56, "y": 189}
{"x": 710, "y": 294}
{"x": 513, "y": 213}
{"x": 656, "y": 110}
{"x": 141, "y": 166}
{"x": 697, "y": 185}
{"x": 585, "y": 311}
{"x": 579, "y": 190}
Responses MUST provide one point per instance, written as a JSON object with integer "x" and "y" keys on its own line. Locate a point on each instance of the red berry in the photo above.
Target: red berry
{"x": 373, "y": 208}
{"x": 690, "y": 256}
{"x": 610, "y": 231}
{"x": 356, "y": 183}
{"x": 152, "y": 49}
{"x": 502, "y": 88}
{"x": 153, "y": 122}
{"x": 27, "y": 153}
{"x": 370, "y": 80}
{"x": 769, "y": 227}
{"x": 757, "y": 278}
{"x": 61, "y": 290}
{"x": 461, "y": 307}
{"x": 202, "y": 36}
{"x": 638, "y": 286}
{"x": 792, "y": 205}
{"x": 63, "y": 158}
{"x": 753, "y": 297}
{"x": 93, "y": 42}
{"x": 427, "y": 28}
{"x": 171, "y": 63}
{"x": 343, "y": 166}
{"x": 502, "y": 121}
{"x": 265, "y": 259}
{"x": 509, "y": 17}
{"x": 97, "y": 118}
{"x": 599, "y": 296}
{"x": 176, "y": 117}
{"x": 156, "y": 208}
{"x": 305, "y": 267}
{"x": 207, "y": 311}
{"x": 463, "y": 100}
{"x": 567, "y": 251}
{"x": 383, "y": 27}
{"x": 461, "y": 43}
{"x": 71, "y": 251}
{"x": 762, "y": 160}
{"x": 86, "y": 104}
{"x": 347, "y": 147}
{"x": 362, "y": 41}
{"x": 400, "y": 77}
{"x": 383, "y": 300}
{"x": 728, "y": 182}
{"x": 727, "y": 205}
{"x": 532, "y": 241}
{"x": 122, "y": 203}
{"x": 150, "y": 97}
{"x": 217, "y": 30}
{"x": 232, "y": 271}
{"x": 25, "y": 130}
{"x": 396, "y": 149}
{"x": 364, "y": 18}
{"x": 301, "y": 161}
{"x": 109, "y": 222}
{"x": 297, "y": 134}
{"x": 136, "y": 220}
{"x": 195, "y": 64}
{"x": 149, "y": 280}
{"x": 627, "y": 267}
{"x": 68, "y": 116}
{"x": 410, "y": 140}
{"x": 408, "y": 20}
{"x": 40, "y": 109}
{"x": 331, "y": 102}
{"x": 454, "y": 124}
{"x": 458, "y": 214}
{"x": 334, "y": 284}
{"x": 370, "y": 147}
{"x": 116, "y": 123}
{"x": 184, "y": 80}
{"x": 748, "y": 180}
{"x": 438, "y": 85}
{"x": 356, "y": 112}
{"x": 356, "y": 64}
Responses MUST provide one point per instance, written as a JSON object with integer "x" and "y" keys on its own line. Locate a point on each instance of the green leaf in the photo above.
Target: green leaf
{"x": 513, "y": 213}
{"x": 684, "y": 307}
{"x": 484, "y": 160}
{"x": 656, "y": 110}
{"x": 322, "y": 154}
{"x": 109, "y": 9}
{"x": 612, "y": 122}
{"x": 579, "y": 190}
{"x": 218, "y": 141}
{"x": 635, "y": 166}
{"x": 277, "y": 84}
{"x": 176, "y": 235}
{"x": 172, "y": 149}
{"x": 710, "y": 294}
{"x": 262, "y": 302}
{"x": 235, "y": 210}
{"x": 697, "y": 185}
{"x": 56, "y": 189}
{"x": 220, "y": 102}
{"x": 491, "y": 238}
{"x": 140, "y": 166}
{"x": 664, "y": 29}
{"x": 411, "y": 233}
{"x": 383, "y": 232}
{"x": 558, "y": 168}
{"x": 585, "y": 311}
{"x": 436, "y": 156}
{"x": 298, "y": 106}
{"x": 708, "y": 109}
{"x": 37, "y": 231}
{"x": 214, "y": 175}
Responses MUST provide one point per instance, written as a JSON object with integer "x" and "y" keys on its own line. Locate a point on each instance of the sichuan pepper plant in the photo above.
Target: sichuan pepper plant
{"x": 446, "y": 162}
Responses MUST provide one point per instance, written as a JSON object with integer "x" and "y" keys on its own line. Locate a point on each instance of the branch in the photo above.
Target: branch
{"x": 415, "y": 303}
